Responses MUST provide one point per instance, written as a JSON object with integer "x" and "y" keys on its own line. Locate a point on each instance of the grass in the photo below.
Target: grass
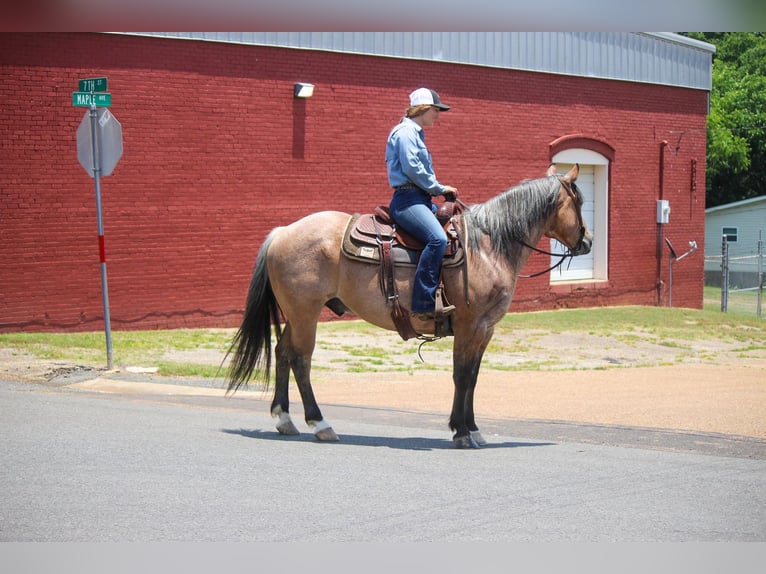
{"x": 740, "y": 302}
{"x": 188, "y": 352}
{"x": 626, "y": 323}
{"x": 131, "y": 348}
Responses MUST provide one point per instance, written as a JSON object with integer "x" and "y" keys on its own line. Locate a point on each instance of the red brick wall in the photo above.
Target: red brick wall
{"x": 217, "y": 152}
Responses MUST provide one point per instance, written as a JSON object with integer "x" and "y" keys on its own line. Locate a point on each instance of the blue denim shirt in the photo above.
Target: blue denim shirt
{"x": 409, "y": 160}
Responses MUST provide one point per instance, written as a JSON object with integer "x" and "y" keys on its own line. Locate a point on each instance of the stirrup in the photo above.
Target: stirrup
{"x": 443, "y": 321}
{"x": 447, "y": 310}
{"x": 434, "y": 315}
{"x": 442, "y": 306}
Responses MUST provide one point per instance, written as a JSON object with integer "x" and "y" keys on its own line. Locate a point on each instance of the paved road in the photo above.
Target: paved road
{"x": 85, "y": 466}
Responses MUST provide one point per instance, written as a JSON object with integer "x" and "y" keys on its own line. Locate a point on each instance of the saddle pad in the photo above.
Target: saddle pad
{"x": 360, "y": 243}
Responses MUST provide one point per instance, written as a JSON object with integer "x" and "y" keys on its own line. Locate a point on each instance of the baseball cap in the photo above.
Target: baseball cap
{"x": 426, "y": 97}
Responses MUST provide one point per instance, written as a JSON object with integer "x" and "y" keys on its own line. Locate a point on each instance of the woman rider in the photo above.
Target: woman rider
{"x": 411, "y": 174}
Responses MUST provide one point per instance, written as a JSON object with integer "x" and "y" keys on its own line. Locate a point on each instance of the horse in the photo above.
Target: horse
{"x": 300, "y": 269}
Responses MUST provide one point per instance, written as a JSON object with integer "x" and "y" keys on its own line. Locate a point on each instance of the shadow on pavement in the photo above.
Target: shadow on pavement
{"x": 402, "y": 443}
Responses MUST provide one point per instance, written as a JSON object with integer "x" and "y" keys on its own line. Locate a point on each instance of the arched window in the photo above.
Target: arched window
{"x": 593, "y": 182}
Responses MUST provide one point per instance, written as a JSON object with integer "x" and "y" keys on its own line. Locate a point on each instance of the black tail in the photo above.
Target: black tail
{"x": 251, "y": 346}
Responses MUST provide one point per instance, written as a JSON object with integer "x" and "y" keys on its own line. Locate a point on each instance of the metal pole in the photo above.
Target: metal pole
{"x": 760, "y": 273}
{"x": 670, "y": 282}
{"x": 101, "y": 248}
{"x": 724, "y": 274}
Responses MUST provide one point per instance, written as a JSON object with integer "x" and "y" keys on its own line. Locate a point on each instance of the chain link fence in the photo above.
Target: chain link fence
{"x": 738, "y": 271}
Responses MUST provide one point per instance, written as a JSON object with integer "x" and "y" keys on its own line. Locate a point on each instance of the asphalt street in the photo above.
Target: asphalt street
{"x": 85, "y": 466}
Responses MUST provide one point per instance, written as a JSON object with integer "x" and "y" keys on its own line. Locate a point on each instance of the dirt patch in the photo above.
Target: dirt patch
{"x": 24, "y": 367}
{"x": 726, "y": 399}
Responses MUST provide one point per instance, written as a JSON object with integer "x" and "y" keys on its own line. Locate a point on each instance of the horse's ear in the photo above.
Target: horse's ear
{"x": 572, "y": 174}
{"x": 551, "y": 170}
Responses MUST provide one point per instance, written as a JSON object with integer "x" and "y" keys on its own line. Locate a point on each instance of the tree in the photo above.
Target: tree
{"x": 736, "y": 131}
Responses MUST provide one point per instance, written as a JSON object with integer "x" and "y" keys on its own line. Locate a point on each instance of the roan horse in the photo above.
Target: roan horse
{"x": 300, "y": 269}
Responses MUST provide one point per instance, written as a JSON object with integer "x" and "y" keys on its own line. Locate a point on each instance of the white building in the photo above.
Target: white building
{"x": 743, "y": 223}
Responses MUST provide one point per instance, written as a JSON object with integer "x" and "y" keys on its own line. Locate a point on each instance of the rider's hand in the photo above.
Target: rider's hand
{"x": 450, "y": 193}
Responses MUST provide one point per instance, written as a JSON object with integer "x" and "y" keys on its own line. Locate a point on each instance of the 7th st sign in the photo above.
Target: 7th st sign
{"x": 92, "y": 85}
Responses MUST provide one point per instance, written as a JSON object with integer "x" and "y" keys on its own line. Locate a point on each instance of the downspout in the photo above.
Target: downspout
{"x": 660, "y": 230}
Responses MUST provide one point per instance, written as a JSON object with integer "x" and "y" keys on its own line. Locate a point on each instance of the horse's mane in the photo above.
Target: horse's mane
{"x": 512, "y": 215}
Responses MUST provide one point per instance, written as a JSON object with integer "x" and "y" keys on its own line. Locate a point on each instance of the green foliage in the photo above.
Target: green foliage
{"x": 736, "y": 137}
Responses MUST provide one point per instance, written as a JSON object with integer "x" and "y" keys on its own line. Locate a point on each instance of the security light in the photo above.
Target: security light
{"x": 303, "y": 90}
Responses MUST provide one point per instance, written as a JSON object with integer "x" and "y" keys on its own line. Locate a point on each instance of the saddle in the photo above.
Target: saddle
{"x": 365, "y": 233}
{"x": 374, "y": 238}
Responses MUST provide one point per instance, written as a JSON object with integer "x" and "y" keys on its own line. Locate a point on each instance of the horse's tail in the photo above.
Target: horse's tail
{"x": 251, "y": 346}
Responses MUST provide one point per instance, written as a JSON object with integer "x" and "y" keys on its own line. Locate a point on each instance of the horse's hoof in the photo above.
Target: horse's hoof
{"x": 285, "y": 424}
{"x": 464, "y": 442}
{"x": 288, "y": 428}
{"x": 326, "y": 435}
{"x": 478, "y": 438}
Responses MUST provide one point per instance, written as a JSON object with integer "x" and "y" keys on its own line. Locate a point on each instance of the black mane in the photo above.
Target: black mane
{"x": 512, "y": 216}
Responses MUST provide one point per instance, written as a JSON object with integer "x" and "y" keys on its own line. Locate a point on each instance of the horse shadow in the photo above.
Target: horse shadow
{"x": 399, "y": 443}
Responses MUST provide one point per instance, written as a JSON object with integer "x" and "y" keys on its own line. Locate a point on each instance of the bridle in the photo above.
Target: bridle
{"x": 569, "y": 253}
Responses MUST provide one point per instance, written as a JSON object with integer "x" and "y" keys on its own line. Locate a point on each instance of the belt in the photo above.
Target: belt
{"x": 406, "y": 186}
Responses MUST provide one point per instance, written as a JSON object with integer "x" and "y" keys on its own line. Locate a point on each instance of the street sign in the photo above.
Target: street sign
{"x": 85, "y": 99}
{"x": 92, "y": 85}
{"x": 99, "y": 148}
{"x": 109, "y": 138}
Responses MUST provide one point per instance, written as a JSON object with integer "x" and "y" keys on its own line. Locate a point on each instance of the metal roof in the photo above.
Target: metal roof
{"x": 657, "y": 58}
{"x": 736, "y": 204}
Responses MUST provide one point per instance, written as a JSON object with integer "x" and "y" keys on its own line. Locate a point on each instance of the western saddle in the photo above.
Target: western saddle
{"x": 374, "y": 238}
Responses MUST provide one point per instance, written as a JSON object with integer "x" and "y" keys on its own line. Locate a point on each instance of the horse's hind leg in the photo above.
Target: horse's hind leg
{"x": 294, "y": 352}
{"x": 280, "y": 406}
{"x": 321, "y": 428}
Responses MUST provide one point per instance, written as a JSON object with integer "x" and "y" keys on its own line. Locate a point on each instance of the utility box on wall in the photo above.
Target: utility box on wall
{"x": 663, "y": 211}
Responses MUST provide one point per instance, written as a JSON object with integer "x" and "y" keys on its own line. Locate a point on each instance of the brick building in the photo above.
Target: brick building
{"x": 218, "y": 151}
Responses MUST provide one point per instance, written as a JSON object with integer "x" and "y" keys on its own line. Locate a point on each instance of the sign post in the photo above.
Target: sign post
{"x": 99, "y": 148}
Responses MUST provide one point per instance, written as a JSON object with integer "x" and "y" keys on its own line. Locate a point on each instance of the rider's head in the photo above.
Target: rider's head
{"x": 422, "y": 100}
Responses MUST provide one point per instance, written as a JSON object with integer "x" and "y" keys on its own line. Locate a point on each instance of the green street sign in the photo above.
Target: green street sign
{"x": 85, "y": 99}
{"x": 92, "y": 85}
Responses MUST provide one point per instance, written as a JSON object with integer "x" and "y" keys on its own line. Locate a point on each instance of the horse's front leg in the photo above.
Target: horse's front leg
{"x": 462, "y": 420}
{"x": 470, "y": 419}
{"x": 466, "y": 363}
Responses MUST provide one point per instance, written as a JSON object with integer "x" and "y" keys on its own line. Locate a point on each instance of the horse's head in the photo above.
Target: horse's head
{"x": 568, "y": 224}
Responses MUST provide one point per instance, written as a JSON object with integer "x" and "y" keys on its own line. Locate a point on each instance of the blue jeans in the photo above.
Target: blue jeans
{"x": 413, "y": 211}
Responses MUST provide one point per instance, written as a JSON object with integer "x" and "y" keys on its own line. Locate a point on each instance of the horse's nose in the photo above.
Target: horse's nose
{"x": 583, "y": 248}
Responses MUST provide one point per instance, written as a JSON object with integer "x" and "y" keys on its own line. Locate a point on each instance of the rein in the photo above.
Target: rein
{"x": 566, "y": 255}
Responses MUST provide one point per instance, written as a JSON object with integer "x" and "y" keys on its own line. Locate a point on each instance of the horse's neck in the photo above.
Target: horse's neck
{"x": 520, "y": 253}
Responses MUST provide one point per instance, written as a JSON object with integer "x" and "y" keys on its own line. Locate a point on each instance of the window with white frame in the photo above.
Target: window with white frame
{"x": 731, "y": 233}
{"x": 593, "y": 182}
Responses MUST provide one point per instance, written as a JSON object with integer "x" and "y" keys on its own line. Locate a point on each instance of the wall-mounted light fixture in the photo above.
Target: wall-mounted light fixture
{"x": 303, "y": 90}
